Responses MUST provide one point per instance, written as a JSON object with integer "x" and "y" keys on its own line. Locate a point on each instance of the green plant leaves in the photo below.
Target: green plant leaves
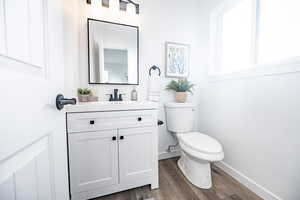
{"x": 182, "y": 85}
{"x": 84, "y": 91}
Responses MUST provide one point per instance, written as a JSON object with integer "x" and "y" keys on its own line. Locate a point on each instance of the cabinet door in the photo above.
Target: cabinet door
{"x": 93, "y": 158}
{"x": 136, "y": 153}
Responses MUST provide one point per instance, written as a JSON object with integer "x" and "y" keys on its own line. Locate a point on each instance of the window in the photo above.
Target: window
{"x": 253, "y": 33}
{"x": 279, "y": 30}
{"x": 236, "y": 37}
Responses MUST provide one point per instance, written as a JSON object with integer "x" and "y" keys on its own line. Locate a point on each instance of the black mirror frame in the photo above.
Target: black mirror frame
{"x": 138, "y": 52}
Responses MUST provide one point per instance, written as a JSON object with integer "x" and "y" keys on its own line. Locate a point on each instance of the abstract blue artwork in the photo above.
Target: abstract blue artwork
{"x": 177, "y": 59}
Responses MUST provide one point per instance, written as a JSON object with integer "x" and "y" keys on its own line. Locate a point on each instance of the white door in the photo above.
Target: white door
{"x": 93, "y": 160}
{"x": 33, "y": 164}
{"x": 136, "y": 153}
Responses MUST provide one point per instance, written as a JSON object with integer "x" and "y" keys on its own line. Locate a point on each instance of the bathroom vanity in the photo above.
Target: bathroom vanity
{"x": 112, "y": 147}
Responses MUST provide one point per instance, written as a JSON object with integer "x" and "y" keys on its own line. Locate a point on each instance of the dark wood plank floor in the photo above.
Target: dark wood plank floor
{"x": 174, "y": 186}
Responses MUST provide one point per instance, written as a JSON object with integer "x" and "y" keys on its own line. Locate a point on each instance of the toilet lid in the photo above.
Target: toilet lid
{"x": 201, "y": 142}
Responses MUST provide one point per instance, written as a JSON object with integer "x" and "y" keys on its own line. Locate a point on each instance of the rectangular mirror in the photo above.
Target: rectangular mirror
{"x": 113, "y": 53}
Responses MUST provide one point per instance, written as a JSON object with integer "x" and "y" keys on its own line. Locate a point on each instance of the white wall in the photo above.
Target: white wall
{"x": 159, "y": 21}
{"x": 257, "y": 121}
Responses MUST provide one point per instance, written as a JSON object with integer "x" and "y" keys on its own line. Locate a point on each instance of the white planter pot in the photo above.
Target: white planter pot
{"x": 83, "y": 98}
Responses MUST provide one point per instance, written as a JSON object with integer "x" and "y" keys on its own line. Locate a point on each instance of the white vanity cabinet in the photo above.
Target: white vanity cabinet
{"x": 111, "y": 151}
{"x": 93, "y": 160}
{"x": 136, "y": 151}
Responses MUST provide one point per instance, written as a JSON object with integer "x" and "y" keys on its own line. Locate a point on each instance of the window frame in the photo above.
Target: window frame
{"x": 289, "y": 65}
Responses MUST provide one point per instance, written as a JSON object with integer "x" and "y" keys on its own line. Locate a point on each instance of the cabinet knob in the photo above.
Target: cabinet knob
{"x": 114, "y": 138}
{"x": 140, "y": 119}
{"x": 92, "y": 122}
{"x": 122, "y": 137}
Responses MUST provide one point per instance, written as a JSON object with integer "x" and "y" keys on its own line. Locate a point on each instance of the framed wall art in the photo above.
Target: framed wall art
{"x": 177, "y": 60}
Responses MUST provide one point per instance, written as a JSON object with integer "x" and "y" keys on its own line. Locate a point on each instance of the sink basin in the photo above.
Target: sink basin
{"x": 109, "y": 102}
{"x": 112, "y": 106}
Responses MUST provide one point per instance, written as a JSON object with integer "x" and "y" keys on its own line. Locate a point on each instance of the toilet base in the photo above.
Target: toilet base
{"x": 197, "y": 171}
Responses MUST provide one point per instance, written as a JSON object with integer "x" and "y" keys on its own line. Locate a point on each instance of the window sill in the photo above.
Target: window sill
{"x": 271, "y": 69}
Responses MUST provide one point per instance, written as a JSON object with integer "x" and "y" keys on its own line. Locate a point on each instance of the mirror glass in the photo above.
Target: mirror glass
{"x": 113, "y": 53}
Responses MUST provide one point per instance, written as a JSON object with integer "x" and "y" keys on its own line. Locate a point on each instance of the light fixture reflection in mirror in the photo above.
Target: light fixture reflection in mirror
{"x": 123, "y": 5}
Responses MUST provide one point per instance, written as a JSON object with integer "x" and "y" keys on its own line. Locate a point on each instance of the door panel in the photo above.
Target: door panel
{"x": 43, "y": 176}
{"x": 29, "y": 176}
{"x": 26, "y": 17}
{"x": 36, "y": 32}
{"x": 136, "y": 153}
{"x": 7, "y": 190}
{"x": 93, "y": 160}
{"x": 28, "y": 113}
{"x": 26, "y": 184}
{"x": 17, "y": 29}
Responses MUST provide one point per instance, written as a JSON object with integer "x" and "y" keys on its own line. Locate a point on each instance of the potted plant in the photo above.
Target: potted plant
{"x": 83, "y": 94}
{"x": 181, "y": 87}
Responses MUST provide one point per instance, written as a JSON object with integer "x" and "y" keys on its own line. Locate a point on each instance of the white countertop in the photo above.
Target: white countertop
{"x": 111, "y": 106}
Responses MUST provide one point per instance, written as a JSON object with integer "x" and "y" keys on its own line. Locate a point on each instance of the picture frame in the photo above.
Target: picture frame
{"x": 177, "y": 60}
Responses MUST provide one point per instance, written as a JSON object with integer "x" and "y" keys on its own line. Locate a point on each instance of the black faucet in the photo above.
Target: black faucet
{"x": 115, "y": 96}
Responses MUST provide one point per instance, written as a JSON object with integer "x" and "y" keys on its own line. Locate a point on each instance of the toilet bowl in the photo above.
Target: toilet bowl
{"x": 197, "y": 150}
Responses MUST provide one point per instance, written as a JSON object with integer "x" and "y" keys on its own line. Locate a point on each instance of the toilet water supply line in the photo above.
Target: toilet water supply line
{"x": 172, "y": 147}
{"x": 160, "y": 123}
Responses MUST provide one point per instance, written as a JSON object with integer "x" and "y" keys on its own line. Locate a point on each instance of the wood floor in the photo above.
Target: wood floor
{"x": 174, "y": 186}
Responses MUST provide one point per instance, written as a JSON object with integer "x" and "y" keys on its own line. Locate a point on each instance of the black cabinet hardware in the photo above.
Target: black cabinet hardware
{"x": 139, "y": 119}
{"x": 160, "y": 123}
{"x": 92, "y": 122}
{"x": 122, "y": 137}
{"x": 114, "y": 138}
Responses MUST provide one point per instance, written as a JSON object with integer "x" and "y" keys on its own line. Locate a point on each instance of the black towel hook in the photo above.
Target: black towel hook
{"x": 154, "y": 68}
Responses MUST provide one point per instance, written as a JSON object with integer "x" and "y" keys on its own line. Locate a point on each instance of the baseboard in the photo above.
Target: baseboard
{"x": 167, "y": 155}
{"x": 249, "y": 183}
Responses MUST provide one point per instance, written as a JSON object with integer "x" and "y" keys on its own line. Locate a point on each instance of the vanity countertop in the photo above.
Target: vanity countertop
{"x": 111, "y": 106}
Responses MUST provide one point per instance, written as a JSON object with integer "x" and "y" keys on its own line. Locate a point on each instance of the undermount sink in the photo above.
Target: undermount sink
{"x": 109, "y": 102}
{"x": 111, "y": 106}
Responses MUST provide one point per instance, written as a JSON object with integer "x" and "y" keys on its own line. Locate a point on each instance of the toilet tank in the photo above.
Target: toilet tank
{"x": 180, "y": 117}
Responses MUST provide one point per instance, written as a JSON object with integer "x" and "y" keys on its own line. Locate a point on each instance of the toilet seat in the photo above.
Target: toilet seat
{"x": 201, "y": 146}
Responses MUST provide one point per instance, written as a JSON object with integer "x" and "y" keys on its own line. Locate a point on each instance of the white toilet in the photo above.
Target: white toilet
{"x": 197, "y": 149}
